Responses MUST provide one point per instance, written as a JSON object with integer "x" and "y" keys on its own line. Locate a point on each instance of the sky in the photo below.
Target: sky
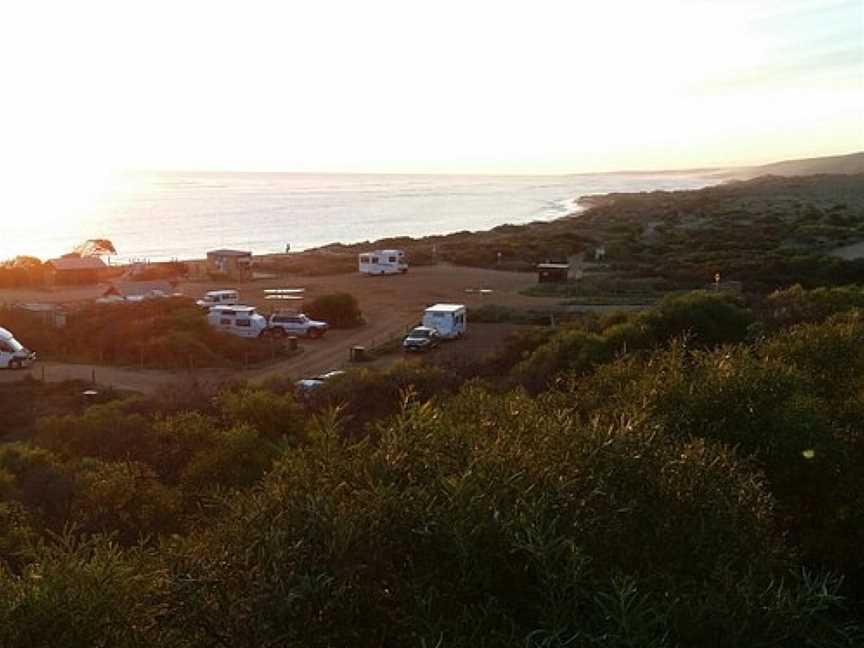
{"x": 464, "y": 86}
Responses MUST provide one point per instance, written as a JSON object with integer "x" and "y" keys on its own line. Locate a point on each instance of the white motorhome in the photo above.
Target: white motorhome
{"x": 243, "y": 321}
{"x": 13, "y": 355}
{"x": 219, "y": 298}
{"x": 450, "y": 320}
{"x": 383, "y": 262}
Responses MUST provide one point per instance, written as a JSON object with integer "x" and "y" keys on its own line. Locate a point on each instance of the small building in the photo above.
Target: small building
{"x": 138, "y": 290}
{"x": 230, "y": 264}
{"x": 549, "y": 272}
{"x": 73, "y": 270}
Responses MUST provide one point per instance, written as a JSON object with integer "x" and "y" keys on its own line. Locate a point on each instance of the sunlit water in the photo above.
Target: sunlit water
{"x": 181, "y": 215}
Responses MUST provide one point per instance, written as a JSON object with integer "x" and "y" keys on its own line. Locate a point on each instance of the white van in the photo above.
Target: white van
{"x": 13, "y": 355}
{"x": 219, "y": 298}
{"x": 242, "y": 321}
{"x": 383, "y": 262}
{"x": 450, "y": 320}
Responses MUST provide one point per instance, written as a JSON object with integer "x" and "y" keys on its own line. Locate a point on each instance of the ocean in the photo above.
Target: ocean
{"x": 181, "y": 215}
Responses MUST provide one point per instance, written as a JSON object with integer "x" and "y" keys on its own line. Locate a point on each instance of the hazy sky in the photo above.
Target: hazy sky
{"x": 404, "y": 86}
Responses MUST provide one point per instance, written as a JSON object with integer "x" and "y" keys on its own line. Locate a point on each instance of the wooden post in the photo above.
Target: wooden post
{"x": 93, "y": 375}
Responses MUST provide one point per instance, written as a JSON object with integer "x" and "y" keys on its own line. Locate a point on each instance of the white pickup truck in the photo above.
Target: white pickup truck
{"x": 296, "y": 324}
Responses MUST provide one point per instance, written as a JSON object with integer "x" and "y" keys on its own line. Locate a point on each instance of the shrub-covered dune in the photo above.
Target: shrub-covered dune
{"x": 688, "y": 476}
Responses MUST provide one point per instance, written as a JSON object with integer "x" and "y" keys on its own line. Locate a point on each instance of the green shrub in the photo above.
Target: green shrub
{"x": 365, "y": 395}
{"x": 340, "y": 310}
{"x": 274, "y": 416}
{"x": 795, "y": 305}
{"x": 39, "y": 480}
{"x": 498, "y": 521}
{"x": 79, "y": 593}
{"x": 124, "y": 498}
{"x": 105, "y": 431}
{"x": 237, "y": 458}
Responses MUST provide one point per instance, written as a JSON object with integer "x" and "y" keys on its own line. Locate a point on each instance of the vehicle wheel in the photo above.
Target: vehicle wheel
{"x": 279, "y": 332}
{"x": 314, "y": 333}
{"x": 14, "y": 364}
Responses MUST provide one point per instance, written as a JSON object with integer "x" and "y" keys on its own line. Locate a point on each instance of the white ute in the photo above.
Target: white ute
{"x": 450, "y": 320}
{"x": 13, "y": 355}
{"x": 297, "y": 324}
{"x": 242, "y": 321}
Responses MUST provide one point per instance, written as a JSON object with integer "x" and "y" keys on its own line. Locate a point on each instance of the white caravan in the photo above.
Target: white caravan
{"x": 237, "y": 320}
{"x": 219, "y": 298}
{"x": 450, "y": 320}
{"x": 383, "y": 262}
{"x": 13, "y": 355}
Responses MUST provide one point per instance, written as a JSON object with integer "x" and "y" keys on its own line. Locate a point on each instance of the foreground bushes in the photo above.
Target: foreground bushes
{"x": 706, "y": 319}
{"x": 701, "y": 491}
{"x": 491, "y": 520}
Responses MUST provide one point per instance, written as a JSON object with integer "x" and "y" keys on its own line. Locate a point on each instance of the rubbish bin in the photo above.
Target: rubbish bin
{"x": 292, "y": 342}
{"x": 358, "y": 354}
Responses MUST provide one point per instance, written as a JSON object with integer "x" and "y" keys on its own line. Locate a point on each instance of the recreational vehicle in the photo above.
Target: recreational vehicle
{"x": 450, "y": 320}
{"x": 13, "y": 355}
{"x": 242, "y": 321}
{"x": 219, "y": 298}
{"x": 383, "y": 262}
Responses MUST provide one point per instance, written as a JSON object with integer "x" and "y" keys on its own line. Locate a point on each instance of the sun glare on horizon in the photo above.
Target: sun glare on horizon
{"x": 385, "y": 86}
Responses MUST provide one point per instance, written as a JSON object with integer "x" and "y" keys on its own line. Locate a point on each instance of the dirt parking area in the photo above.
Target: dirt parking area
{"x": 395, "y": 297}
{"x": 390, "y": 305}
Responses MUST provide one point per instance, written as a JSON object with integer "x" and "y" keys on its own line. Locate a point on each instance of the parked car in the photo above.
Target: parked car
{"x": 13, "y": 354}
{"x": 219, "y": 298}
{"x": 242, "y": 321}
{"x": 297, "y": 324}
{"x": 421, "y": 338}
{"x": 307, "y": 385}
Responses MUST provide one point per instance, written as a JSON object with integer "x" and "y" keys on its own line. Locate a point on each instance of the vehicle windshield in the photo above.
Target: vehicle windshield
{"x": 419, "y": 333}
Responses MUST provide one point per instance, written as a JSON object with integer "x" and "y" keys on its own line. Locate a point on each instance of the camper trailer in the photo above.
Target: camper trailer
{"x": 383, "y": 262}
{"x": 242, "y": 321}
{"x": 13, "y": 355}
{"x": 450, "y": 320}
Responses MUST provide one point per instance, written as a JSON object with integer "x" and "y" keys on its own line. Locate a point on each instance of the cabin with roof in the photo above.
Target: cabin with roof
{"x": 552, "y": 272}
{"x": 73, "y": 270}
{"x": 230, "y": 264}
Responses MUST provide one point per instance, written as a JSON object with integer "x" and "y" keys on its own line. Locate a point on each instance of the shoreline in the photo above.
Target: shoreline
{"x": 318, "y": 214}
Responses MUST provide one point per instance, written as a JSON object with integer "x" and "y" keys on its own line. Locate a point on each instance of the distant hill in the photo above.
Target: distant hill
{"x": 843, "y": 164}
